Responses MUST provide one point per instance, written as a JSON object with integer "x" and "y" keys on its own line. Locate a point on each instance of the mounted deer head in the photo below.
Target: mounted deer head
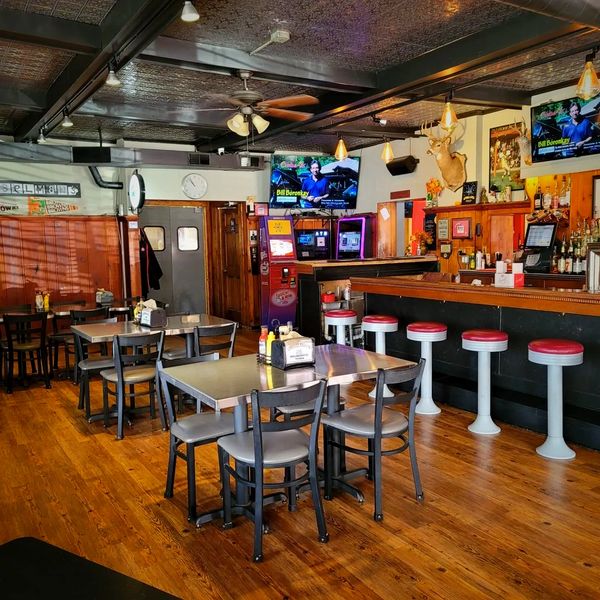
{"x": 524, "y": 141}
{"x": 451, "y": 164}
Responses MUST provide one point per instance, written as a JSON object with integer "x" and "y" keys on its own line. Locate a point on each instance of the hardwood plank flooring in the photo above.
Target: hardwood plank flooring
{"x": 498, "y": 521}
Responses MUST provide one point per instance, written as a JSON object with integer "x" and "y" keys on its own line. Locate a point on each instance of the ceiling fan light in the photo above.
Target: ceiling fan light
{"x": 259, "y": 123}
{"x": 112, "y": 80}
{"x": 448, "y": 120}
{"x": 189, "y": 14}
{"x": 341, "y": 152}
{"x": 387, "y": 154}
{"x": 66, "y": 122}
{"x": 239, "y": 125}
{"x": 588, "y": 85}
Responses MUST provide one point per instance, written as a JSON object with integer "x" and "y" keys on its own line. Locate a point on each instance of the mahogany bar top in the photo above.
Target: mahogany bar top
{"x": 526, "y": 314}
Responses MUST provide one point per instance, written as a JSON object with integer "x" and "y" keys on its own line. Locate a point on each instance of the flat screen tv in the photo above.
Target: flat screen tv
{"x": 314, "y": 182}
{"x": 565, "y": 129}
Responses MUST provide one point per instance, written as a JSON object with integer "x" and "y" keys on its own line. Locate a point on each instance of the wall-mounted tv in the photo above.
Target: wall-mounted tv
{"x": 565, "y": 129}
{"x": 314, "y": 182}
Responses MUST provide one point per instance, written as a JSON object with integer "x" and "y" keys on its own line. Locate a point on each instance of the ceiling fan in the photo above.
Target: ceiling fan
{"x": 251, "y": 107}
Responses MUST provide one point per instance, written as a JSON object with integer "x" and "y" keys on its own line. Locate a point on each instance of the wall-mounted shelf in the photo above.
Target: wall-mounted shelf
{"x": 518, "y": 207}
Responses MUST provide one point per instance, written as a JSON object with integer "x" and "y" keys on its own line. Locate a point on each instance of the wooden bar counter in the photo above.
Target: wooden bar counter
{"x": 518, "y": 386}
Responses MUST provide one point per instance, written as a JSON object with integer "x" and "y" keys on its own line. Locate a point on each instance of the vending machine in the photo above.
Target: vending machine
{"x": 278, "y": 273}
{"x": 355, "y": 237}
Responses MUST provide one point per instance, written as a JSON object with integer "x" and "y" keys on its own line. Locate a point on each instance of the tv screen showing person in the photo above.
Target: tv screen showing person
{"x": 578, "y": 130}
{"x": 315, "y": 187}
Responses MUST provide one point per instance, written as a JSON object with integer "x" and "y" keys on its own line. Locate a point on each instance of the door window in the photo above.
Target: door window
{"x": 187, "y": 239}
{"x": 156, "y": 238}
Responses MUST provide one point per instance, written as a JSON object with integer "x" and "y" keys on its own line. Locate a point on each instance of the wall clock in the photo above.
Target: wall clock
{"x": 194, "y": 185}
{"x": 136, "y": 192}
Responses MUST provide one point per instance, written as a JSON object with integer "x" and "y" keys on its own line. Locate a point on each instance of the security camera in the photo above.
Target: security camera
{"x": 220, "y": 151}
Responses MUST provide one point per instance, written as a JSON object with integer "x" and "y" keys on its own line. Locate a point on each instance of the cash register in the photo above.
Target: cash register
{"x": 539, "y": 245}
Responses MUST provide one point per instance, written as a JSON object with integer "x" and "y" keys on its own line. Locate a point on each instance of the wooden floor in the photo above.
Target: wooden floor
{"x": 498, "y": 521}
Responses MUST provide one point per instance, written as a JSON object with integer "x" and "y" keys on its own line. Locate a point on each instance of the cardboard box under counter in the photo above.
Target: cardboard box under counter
{"x": 509, "y": 280}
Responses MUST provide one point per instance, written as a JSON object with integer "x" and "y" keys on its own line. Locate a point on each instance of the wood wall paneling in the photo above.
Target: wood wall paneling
{"x": 387, "y": 222}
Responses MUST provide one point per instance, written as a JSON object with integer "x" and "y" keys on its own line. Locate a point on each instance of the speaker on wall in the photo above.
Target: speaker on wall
{"x": 402, "y": 165}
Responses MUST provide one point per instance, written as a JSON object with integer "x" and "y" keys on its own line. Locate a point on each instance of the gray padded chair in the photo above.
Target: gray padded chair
{"x": 135, "y": 358}
{"x": 192, "y": 431}
{"x": 375, "y": 422}
{"x": 274, "y": 445}
{"x": 207, "y": 340}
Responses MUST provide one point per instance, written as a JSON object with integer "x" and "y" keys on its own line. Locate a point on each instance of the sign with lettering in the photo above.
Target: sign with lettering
{"x": 47, "y": 190}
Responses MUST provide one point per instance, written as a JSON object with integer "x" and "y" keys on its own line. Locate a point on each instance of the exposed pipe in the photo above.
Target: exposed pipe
{"x": 109, "y": 185}
{"x": 585, "y": 12}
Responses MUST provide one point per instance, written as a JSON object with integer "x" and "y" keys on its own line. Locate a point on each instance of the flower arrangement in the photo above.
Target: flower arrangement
{"x": 433, "y": 188}
{"x": 422, "y": 238}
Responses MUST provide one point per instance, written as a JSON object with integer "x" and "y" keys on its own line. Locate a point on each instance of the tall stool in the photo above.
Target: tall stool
{"x": 340, "y": 319}
{"x": 556, "y": 354}
{"x": 484, "y": 341}
{"x": 380, "y": 325}
{"x": 427, "y": 332}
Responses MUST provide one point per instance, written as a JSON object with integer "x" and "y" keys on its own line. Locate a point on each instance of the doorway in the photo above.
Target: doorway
{"x": 177, "y": 235}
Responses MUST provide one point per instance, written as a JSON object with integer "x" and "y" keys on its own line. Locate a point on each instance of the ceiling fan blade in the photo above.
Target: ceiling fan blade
{"x": 289, "y": 101}
{"x": 288, "y": 115}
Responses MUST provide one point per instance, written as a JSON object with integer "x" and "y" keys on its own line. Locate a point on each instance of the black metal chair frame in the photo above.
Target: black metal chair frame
{"x": 389, "y": 377}
{"x": 80, "y": 317}
{"x": 176, "y": 443}
{"x": 255, "y": 470}
{"x": 60, "y": 336}
{"x": 202, "y": 346}
{"x": 24, "y": 329}
{"x": 146, "y": 349}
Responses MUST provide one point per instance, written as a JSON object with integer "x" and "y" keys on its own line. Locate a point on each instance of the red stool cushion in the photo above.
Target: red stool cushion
{"x": 555, "y": 346}
{"x": 341, "y": 313}
{"x": 485, "y": 335}
{"x": 380, "y": 319}
{"x": 426, "y": 327}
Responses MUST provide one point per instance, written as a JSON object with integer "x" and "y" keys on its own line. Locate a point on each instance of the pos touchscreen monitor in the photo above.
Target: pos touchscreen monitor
{"x": 540, "y": 235}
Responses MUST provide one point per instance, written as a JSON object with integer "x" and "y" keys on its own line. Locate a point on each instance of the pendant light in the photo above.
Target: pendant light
{"x": 387, "y": 154}
{"x": 259, "y": 123}
{"x": 189, "y": 14}
{"x": 588, "y": 85}
{"x": 341, "y": 151}
{"x": 448, "y": 120}
{"x": 112, "y": 80}
{"x": 41, "y": 138}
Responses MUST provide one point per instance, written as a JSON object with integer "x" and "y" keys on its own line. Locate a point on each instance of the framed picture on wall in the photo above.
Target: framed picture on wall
{"x": 443, "y": 229}
{"x": 505, "y": 158}
{"x": 469, "y": 192}
{"x": 596, "y": 197}
{"x": 461, "y": 228}
{"x": 261, "y": 209}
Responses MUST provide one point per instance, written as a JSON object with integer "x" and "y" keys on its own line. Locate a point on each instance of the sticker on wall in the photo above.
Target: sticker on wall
{"x": 8, "y": 208}
{"x": 48, "y": 206}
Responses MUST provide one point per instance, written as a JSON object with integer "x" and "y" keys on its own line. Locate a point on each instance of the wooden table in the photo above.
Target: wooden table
{"x": 227, "y": 383}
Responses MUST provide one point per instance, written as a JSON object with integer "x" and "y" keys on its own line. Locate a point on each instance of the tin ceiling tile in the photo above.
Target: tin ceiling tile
{"x": 84, "y": 11}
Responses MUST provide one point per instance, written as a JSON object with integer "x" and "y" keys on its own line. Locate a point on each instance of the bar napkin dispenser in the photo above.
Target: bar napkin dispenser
{"x": 153, "y": 317}
{"x": 293, "y": 352}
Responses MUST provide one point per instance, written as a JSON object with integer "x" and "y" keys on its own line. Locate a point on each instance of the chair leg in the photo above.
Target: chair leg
{"x": 370, "y": 443}
{"x": 105, "y": 408}
{"x": 258, "y": 514}
{"x": 378, "y": 514}
{"x": 327, "y": 467}
{"x": 415, "y": 471}
{"x": 290, "y": 475}
{"x": 120, "y": 410}
{"x": 318, "y": 504}
{"x": 161, "y": 405}
{"x": 152, "y": 396}
{"x": 171, "y": 466}
{"x": 191, "y": 481}
{"x": 10, "y": 370}
{"x": 226, "y": 485}
{"x": 44, "y": 365}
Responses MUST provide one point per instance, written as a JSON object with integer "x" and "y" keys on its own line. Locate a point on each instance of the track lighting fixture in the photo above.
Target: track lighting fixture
{"x": 112, "y": 80}
{"x": 379, "y": 120}
{"x": 588, "y": 85}
{"x": 341, "y": 152}
{"x": 448, "y": 120}
{"x": 41, "y": 138}
{"x": 66, "y": 122}
{"x": 189, "y": 14}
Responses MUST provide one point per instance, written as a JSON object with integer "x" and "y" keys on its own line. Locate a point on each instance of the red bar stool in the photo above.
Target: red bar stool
{"x": 380, "y": 325}
{"x": 340, "y": 319}
{"x": 484, "y": 341}
{"x": 427, "y": 332}
{"x": 556, "y": 354}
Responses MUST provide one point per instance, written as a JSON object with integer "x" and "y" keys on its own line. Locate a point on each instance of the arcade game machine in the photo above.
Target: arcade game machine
{"x": 355, "y": 237}
{"x": 278, "y": 275}
{"x": 313, "y": 244}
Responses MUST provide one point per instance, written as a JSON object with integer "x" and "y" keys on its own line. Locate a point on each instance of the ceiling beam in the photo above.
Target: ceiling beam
{"x": 580, "y": 11}
{"x": 443, "y": 64}
{"x": 126, "y": 30}
{"x": 51, "y": 32}
{"x": 227, "y": 61}
{"x": 21, "y": 99}
{"x": 176, "y": 117}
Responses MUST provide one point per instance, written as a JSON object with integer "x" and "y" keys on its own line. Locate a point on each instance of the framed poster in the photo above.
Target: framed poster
{"x": 596, "y": 197}
{"x": 261, "y": 209}
{"x": 505, "y": 158}
{"x": 461, "y": 228}
{"x": 443, "y": 229}
{"x": 469, "y": 192}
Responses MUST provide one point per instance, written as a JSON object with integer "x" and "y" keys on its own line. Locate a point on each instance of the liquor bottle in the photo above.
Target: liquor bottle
{"x": 262, "y": 343}
{"x": 555, "y": 195}
{"x": 555, "y": 253}
{"x": 568, "y": 192}
{"x": 577, "y": 259}
{"x": 547, "y": 200}
{"x": 569, "y": 259}
{"x": 472, "y": 263}
{"x": 562, "y": 195}
{"x": 562, "y": 257}
{"x": 538, "y": 199}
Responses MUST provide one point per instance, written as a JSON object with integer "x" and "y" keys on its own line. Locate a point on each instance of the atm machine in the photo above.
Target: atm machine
{"x": 539, "y": 245}
{"x": 278, "y": 273}
{"x": 355, "y": 237}
{"x": 313, "y": 244}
